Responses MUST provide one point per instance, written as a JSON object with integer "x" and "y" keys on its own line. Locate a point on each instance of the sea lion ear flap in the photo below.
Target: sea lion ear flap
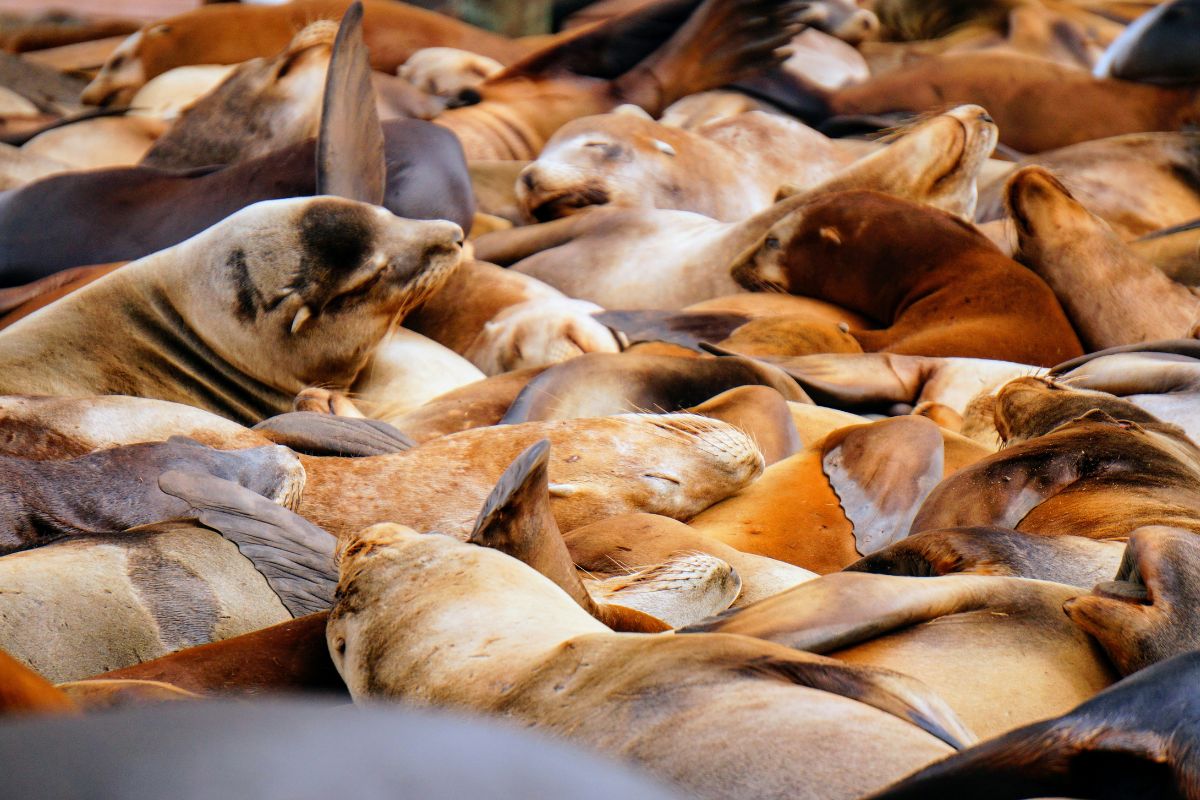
{"x": 317, "y": 434}
{"x": 350, "y": 154}
{"x": 295, "y": 556}
{"x": 882, "y": 473}
{"x": 516, "y": 520}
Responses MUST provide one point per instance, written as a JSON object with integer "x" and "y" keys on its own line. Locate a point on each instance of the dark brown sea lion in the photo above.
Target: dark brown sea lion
{"x": 543, "y": 660}
{"x": 1074, "y": 479}
{"x": 230, "y": 34}
{"x": 842, "y": 248}
{"x": 275, "y": 275}
{"x": 1111, "y": 296}
{"x": 1136, "y": 739}
{"x": 1039, "y": 105}
{"x": 1145, "y": 614}
{"x": 599, "y": 384}
{"x": 116, "y": 489}
{"x": 1072, "y": 560}
{"x": 1006, "y": 655}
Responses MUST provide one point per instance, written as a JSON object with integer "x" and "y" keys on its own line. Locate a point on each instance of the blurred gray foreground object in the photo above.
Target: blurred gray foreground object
{"x": 293, "y": 750}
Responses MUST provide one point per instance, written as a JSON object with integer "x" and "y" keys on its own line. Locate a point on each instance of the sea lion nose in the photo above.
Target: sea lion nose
{"x": 986, "y": 117}
{"x": 528, "y": 179}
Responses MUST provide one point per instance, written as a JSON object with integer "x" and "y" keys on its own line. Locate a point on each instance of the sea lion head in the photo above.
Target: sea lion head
{"x": 1029, "y": 407}
{"x": 124, "y": 72}
{"x": 1048, "y": 217}
{"x": 619, "y": 158}
{"x": 449, "y": 72}
{"x": 298, "y": 291}
{"x": 1147, "y": 613}
{"x": 264, "y": 104}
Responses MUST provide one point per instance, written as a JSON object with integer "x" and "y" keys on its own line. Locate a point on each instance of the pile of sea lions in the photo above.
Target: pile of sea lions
{"x": 745, "y": 398}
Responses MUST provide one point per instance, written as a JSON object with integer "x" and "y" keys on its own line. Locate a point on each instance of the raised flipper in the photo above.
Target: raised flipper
{"x": 328, "y": 435}
{"x": 350, "y": 154}
{"x": 516, "y": 520}
{"x": 295, "y": 556}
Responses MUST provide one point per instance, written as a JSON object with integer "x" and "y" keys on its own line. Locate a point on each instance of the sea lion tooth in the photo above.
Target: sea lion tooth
{"x": 303, "y": 315}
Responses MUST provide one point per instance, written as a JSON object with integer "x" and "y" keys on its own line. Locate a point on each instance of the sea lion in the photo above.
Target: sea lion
{"x": 276, "y": 275}
{"x": 1071, "y": 560}
{"x": 599, "y": 384}
{"x": 761, "y": 304}
{"x": 475, "y": 405}
{"x": 849, "y": 494}
{"x": 790, "y": 335}
{"x": 842, "y": 249}
{"x": 1137, "y": 183}
{"x": 406, "y": 370}
{"x": 1111, "y": 296}
{"x": 547, "y": 663}
{"x": 285, "y": 750}
{"x": 233, "y": 34}
{"x": 96, "y": 143}
{"x": 601, "y": 255}
{"x": 1070, "y": 480}
{"x": 449, "y": 72}
{"x": 166, "y": 95}
{"x": 1135, "y": 739}
{"x": 1039, "y": 105}
{"x": 1026, "y": 408}
{"x": 1144, "y": 615}
{"x": 114, "y": 489}
{"x": 1156, "y": 47}
{"x": 670, "y": 464}
{"x": 727, "y": 170}
{"x": 1016, "y": 658}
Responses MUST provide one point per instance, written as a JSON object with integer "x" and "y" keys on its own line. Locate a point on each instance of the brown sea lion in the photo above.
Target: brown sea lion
{"x": 1039, "y": 105}
{"x": 1135, "y": 739}
{"x": 1071, "y": 560}
{"x": 727, "y": 170}
{"x": 601, "y": 255}
{"x": 359, "y": 269}
{"x": 1070, "y": 480}
{"x": 231, "y": 34}
{"x": 1016, "y": 658}
{"x": 1111, "y": 296}
{"x": 760, "y": 411}
{"x": 1137, "y": 183}
{"x": 546, "y": 662}
{"x": 23, "y": 691}
{"x": 1145, "y": 614}
{"x": 790, "y": 335}
{"x": 600, "y": 384}
{"x": 671, "y": 464}
{"x": 842, "y": 249}
{"x": 849, "y": 494}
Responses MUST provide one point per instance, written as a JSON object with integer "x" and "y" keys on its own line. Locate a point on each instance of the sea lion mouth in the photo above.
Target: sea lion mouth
{"x": 567, "y": 203}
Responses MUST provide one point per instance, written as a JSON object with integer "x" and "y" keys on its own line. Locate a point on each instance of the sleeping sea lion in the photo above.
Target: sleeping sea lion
{"x": 549, "y": 664}
{"x": 998, "y": 650}
{"x": 1145, "y": 614}
{"x": 671, "y": 464}
{"x": 842, "y": 248}
{"x": 1111, "y": 296}
{"x": 1135, "y": 739}
{"x": 277, "y": 275}
{"x": 1071, "y": 560}
{"x": 727, "y": 170}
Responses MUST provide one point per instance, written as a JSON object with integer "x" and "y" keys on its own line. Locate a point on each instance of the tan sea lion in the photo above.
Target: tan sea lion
{"x": 999, "y": 650}
{"x": 843, "y": 247}
{"x": 546, "y": 662}
{"x": 95, "y": 143}
{"x": 601, "y": 255}
{"x": 1144, "y": 614}
{"x": 1136, "y": 739}
{"x": 1111, "y": 295}
{"x": 671, "y": 464}
{"x": 727, "y": 170}
{"x": 277, "y": 274}
{"x": 613, "y": 547}
{"x": 1071, "y": 560}
{"x": 166, "y": 95}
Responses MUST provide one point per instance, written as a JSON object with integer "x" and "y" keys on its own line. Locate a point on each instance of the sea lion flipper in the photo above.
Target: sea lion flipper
{"x": 881, "y": 473}
{"x": 327, "y": 435}
{"x": 684, "y": 328}
{"x": 295, "y": 556}
{"x": 350, "y": 148}
{"x": 897, "y": 694}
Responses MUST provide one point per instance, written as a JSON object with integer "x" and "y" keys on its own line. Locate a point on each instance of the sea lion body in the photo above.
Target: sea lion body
{"x": 272, "y": 276}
